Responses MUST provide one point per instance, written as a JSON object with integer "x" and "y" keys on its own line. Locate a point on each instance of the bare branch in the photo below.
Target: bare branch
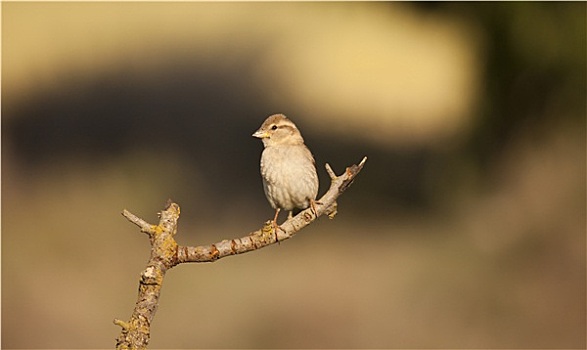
{"x": 165, "y": 252}
{"x": 135, "y": 334}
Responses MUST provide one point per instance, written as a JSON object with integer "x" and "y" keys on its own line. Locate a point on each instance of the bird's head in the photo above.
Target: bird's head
{"x": 277, "y": 129}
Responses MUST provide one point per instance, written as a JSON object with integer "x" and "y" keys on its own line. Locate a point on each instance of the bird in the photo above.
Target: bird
{"x": 288, "y": 169}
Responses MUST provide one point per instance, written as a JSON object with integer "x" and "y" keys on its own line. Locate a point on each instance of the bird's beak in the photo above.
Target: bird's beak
{"x": 261, "y": 134}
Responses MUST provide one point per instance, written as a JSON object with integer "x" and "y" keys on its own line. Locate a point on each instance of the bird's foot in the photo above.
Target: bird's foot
{"x": 313, "y": 204}
{"x": 275, "y": 228}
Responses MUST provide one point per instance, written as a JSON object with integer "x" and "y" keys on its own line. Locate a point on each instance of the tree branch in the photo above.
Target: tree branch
{"x": 166, "y": 253}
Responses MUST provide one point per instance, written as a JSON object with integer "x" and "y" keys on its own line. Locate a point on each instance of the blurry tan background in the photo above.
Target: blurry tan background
{"x": 466, "y": 229}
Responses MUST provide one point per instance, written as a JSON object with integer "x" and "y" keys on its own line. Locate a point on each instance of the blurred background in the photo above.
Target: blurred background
{"x": 466, "y": 228}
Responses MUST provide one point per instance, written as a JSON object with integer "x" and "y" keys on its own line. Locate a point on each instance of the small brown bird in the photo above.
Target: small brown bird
{"x": 287, "y": 167}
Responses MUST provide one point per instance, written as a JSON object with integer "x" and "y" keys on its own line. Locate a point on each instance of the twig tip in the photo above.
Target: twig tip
{"x": 330, "y": 171}
{"x": 363, "y": 161}
{"x": 125, "y": 325}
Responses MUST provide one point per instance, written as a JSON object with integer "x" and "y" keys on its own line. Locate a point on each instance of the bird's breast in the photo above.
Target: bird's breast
{"x": 289, "y": 176}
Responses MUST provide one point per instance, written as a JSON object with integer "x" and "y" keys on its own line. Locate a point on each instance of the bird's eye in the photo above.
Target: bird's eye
{"x": 274, "y": 127}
